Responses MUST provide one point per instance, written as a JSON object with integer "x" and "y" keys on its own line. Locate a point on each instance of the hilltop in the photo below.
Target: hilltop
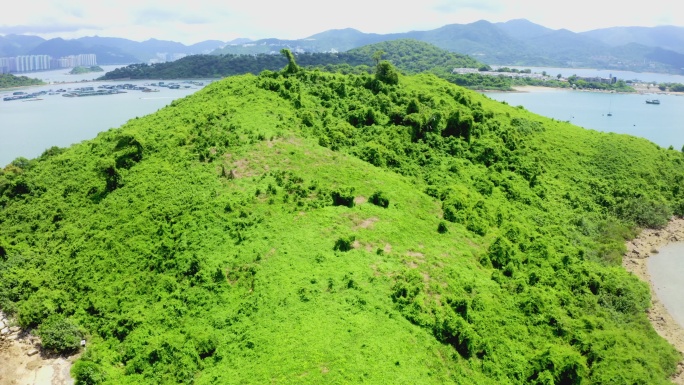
{"x": 301, "y": 226}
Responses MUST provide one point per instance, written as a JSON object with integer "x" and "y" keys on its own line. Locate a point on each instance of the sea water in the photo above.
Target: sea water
{"x": 629, "y": 113}
{"x": 667, "y": 274}
{"x": 29, "y": 127}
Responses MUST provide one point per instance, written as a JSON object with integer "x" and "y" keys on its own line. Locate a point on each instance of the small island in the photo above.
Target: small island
{"x": 9, "y": 81}
{"x": 84, "y": 70}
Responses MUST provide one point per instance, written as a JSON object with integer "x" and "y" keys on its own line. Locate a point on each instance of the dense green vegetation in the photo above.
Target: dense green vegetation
{"x": 308, "y": 227}
{"x": 85, "y": 70}
{"x": 410, "y": 56}
{"x": 673, "y": 87}
{"x": 9, "y": 80}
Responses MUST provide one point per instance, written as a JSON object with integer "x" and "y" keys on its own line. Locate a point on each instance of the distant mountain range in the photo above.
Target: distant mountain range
{"x": 109, "y": 50}
{"x": 516, "y": 42}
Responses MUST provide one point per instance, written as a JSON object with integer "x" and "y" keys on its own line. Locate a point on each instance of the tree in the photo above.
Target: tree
{"x": 386, "y": 73}
{"x": 292, "y": 66}
{"x": 377, "y": 56}
{"x": 60, "y": 335}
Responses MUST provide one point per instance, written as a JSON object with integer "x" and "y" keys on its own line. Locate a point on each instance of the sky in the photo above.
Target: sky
{"x": 192, "y": 21}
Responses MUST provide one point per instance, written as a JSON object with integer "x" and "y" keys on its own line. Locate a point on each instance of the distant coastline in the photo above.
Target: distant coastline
{"x": 639, "y": 90}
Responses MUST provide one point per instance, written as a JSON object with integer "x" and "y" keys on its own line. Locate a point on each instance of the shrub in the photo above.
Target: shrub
{"x": 646, "y": 213}
{"x": 379, "y": 199}
{"x": 344, "y": 243}
{"x": 386, "y": 73}
{"x": 343, "y": 197}
{"x": 87, "y": 373}
{"x": 442, "y": 227}
{"x": 60, "y": 335}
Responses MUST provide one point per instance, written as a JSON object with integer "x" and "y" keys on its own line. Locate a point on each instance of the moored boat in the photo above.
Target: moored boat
{"x": 652, "y": 101}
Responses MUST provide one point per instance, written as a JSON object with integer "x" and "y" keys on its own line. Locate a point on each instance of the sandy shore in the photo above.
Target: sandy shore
{"x": 638, "y": 251}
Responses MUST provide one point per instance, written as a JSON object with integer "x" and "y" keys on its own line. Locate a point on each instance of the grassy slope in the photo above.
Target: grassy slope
{"x": 198, "y": 243}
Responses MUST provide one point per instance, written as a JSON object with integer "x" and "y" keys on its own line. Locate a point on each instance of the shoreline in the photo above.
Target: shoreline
{"x": 634, "y": 260}
{"x": 638, "y": 90}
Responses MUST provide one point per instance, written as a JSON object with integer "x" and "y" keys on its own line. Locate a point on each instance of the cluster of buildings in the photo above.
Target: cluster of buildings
{"x": 30, "y": 63}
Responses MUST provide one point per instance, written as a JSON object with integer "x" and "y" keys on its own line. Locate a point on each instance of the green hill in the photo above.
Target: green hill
{"x": 411, "y": 56}
{"x": 9, "y": 80}
{"x": 303, "y": 227}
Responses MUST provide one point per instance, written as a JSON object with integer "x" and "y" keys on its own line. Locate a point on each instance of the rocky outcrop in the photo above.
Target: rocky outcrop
{"x": 23, "y": 362}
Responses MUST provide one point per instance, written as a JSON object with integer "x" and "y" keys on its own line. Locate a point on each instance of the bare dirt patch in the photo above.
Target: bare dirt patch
{"x": 22, "y": 363}
{"x": 359, "y": 200}
{"x": 638, "y": 251}
{"x": 415, "y": 254}
{"x": 366, "y": 223}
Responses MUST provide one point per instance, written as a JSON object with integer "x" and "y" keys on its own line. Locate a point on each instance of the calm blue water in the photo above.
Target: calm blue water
{"x": 29, "y": 128}
{"x": 662, "y": 124}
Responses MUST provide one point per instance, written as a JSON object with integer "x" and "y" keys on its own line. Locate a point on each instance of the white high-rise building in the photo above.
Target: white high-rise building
{"x": 4, "y": 65}
{"x": 87, "y": 59}
{"x": 27, "y": 63}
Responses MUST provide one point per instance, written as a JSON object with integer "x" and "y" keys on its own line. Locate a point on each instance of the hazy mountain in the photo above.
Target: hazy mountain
{"x": 515, "y": 42}
{"x": 666, "y": 37}
{"x": 342, "y": 39}
{"x": 59, "y": 47}
{"x": 565, "y": 47}
{"x": 206, "y": 46}
{"x": 148, "y": 49}
{"x": 523, "y": 29}
{"x": 12, "y": 45}
{"x": 239, "y": 40}
{"x": 480, "y": 39}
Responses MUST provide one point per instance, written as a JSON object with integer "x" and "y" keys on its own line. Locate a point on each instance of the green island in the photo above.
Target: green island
{"x": 84, "y": 70}
{"x": 10, "y": 81}
{"x": 408, "y": 55}
{"x": 305, "y": 227}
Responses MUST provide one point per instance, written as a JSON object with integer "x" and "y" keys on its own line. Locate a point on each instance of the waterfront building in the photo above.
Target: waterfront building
{"x": 29, "y": 63}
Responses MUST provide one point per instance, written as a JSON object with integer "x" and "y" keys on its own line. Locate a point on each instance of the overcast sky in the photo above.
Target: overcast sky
{"x": 191, "y": 21}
